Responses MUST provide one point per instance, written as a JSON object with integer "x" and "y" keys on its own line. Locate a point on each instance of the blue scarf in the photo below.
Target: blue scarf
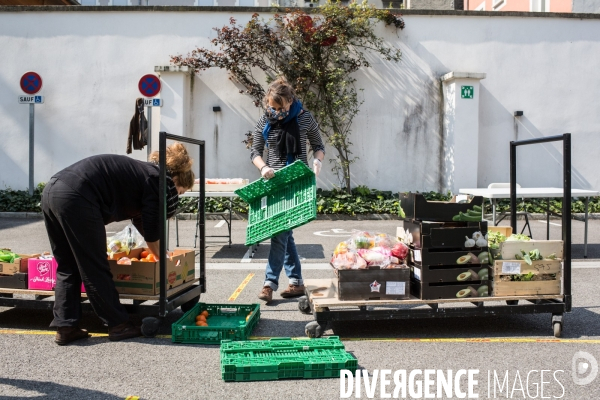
{"x": 295, "y": 110}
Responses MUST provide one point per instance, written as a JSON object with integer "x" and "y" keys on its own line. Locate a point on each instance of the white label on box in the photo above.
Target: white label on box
{"x": 511, "y": 268}
{"x": 417, "y": 272}
{"x": 395, "y": 288}
{"x": 263, "y": 202}
{"x": 417, "y": 255}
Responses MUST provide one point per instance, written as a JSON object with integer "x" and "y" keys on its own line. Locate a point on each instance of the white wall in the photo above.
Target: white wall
{"x": 91, "y": 62}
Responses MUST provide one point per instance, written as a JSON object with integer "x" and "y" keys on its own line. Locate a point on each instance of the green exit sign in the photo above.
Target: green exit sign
{"x": 466, "y": 92}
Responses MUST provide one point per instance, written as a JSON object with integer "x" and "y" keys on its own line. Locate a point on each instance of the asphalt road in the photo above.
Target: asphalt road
{"x": 33, "y": 366}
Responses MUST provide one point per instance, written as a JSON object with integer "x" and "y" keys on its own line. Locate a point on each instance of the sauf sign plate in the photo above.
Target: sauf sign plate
{"x": 31, "y": 99}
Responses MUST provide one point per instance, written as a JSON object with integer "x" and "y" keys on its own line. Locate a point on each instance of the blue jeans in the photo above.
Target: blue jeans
{"x": 283, "y": 254}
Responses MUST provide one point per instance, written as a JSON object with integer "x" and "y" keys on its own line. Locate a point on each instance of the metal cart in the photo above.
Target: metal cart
{"x": 321, "y": 299}
{"x": 157, "y": 306}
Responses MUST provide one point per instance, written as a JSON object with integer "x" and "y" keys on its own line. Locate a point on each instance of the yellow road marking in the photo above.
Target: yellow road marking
{"x": 408, "y": 340}
{"x": 132, "y": 398}
{"x": 455, "y": 340}
{"x": 239, "y": 289}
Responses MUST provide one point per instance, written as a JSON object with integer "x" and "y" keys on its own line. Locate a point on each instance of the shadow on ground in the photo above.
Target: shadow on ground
{"x": 51, "y": 390}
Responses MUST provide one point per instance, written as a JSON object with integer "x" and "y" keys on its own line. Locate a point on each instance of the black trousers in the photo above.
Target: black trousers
{"x": 78, "y": 240}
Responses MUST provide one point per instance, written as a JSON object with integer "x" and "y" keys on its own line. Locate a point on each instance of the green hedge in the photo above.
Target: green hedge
{"x": 362, "y": 201}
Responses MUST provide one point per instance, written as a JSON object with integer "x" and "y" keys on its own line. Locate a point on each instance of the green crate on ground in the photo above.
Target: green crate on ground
{"x": 225, "y": 322}
{"x": 284, "y": 359}
{"x": 284, "y": 202}
{"x": 282, "y": 344}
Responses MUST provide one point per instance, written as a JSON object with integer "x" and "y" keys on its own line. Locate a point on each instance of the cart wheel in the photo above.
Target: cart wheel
{"x": 304, "y": 305}
{"x": 187, "y": 306}
{"x": 512, "y": 302}
{"x": 557, "y": 329}
{"x": 314, "y": 329}
{"x": 150, "y": 326}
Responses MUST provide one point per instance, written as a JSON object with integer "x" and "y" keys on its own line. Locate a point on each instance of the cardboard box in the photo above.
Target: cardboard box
{"x": 448, "y": 235}
{"x": 373, "y": 284}
{"x": 505, "y": 230}
{"x": 429, "y": 256}
{"x": 416, "y": 207}
{"x": 452, "y": 273}
{"x": 442, "y": 290}
{"x": 144, "y": 277}
{"x": 19, "y": 265}
{"x": 15, "y": 281}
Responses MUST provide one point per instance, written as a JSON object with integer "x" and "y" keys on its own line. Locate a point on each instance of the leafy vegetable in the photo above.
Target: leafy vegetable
{"x": 517, "y": 237}
{"x": 494, "y": 239}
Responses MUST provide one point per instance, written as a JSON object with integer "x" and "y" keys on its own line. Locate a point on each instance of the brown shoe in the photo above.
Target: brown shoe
{"x": 68, "y": 334}
{"x": 266, "y": 294}
{"x": 293, "y": 291}
{"x": 123, "y": 331}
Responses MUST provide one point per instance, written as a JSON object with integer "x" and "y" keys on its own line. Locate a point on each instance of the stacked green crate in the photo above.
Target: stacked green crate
{"x": 284, "y": 202}
{"x": 284, "y": 358}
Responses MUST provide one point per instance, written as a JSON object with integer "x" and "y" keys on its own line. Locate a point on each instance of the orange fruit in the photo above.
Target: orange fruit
{"x": 201, "y": 318}
{"x": 200, "y": 323}
{"x": 151, "y": 258}
{"x": 205, "y": 313}
{"x": 144, "y": 254}
{"x": 134, "y": 259}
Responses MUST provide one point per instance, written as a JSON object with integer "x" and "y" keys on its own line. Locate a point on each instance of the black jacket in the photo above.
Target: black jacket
{"x": 138, "y": 128}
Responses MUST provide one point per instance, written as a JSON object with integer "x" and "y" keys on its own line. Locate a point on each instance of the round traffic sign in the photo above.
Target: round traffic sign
{"x": 149, "y": 85}
{"x": 31, "y": 82}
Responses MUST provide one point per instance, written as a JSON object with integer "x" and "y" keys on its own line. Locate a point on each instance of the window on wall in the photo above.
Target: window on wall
{"x": 480, "y": 7}
{"x": 120, "y": 3}
{"x": 88, "y": 2}
{"x": 540, "y": 5}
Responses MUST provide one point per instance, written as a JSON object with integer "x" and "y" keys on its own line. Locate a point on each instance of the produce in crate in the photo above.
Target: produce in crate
{"x": 364, "y": 249}
{"x": 7, "y": 256}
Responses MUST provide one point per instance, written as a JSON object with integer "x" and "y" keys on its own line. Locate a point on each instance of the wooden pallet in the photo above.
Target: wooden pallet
{"x": 323, "y": 293}
{"x": 49, "y": 293}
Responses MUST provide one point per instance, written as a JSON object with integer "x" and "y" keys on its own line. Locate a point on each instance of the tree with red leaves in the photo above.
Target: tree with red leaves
{"x": 317, "y": 53}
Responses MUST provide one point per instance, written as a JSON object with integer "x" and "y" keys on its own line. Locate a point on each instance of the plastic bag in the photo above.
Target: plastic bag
{"x": 129, "y": 238}
{"x": 364, "y": 249}
{"x": 348, "y": 260}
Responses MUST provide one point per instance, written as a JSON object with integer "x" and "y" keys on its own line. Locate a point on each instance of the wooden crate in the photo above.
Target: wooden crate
{"x": 508, "y": 249}
{"x": 516, "y": 267}
{"x": 527, "y": 288}
{"x": 505, "y": 230}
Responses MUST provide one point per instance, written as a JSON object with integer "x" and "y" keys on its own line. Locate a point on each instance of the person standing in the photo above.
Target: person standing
{"x": 77, "y": 203}
{"x": 284, "y": 129}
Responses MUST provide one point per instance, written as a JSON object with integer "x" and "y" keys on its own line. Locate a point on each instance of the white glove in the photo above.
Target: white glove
{"x": 316, "y": 166}
{"x": 267, "y": 172}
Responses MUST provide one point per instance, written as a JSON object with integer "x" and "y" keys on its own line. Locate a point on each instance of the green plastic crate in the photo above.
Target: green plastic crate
{"x": 282, "y": 345}
{"x": 284, "y": 202}
{"x": 284, "y": 359}
{"x": 225, "y": 322}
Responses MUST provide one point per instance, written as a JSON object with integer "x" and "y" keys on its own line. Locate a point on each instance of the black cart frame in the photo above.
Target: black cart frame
{"x": 186, "y": 296}
{"x": 556, "y": 306}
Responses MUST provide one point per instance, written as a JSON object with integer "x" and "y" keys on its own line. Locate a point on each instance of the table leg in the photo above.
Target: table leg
{"x": 229, "y": 224}
{"x": 548, "y": 218}
{"x": 494, "y": 212}
{"x": 585, "y": 234}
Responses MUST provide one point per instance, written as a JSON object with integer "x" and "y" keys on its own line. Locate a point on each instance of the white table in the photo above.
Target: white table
{"x": 529, "y": 193}
{"x": 230, "y": 195}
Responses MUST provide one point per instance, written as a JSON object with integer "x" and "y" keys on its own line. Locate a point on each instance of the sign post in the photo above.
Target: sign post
{"x": 31, "y": 83}
{"x": 149, "y": 86}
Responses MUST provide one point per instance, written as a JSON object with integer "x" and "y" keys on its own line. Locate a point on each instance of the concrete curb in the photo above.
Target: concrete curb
{"x": 320, "y": 217}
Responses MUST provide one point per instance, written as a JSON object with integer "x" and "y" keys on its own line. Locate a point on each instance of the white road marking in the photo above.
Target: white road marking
{"x": 334, "y": 233}
{"x": 220, "y": 224}
{"x": 551, "y": 223}
{"x": 246, "y": 258}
